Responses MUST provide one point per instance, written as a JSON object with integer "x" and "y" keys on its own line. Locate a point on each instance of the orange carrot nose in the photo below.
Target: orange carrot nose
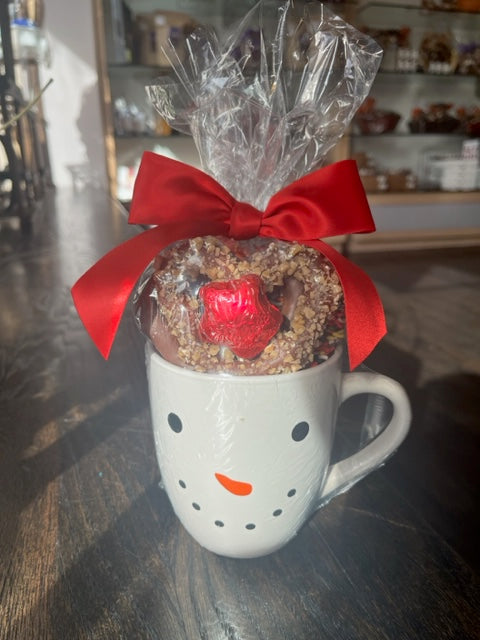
{"x": 234, "y": 486}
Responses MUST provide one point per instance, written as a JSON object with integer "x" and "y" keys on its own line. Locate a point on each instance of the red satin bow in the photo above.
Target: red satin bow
{"x": 184, "y": 202}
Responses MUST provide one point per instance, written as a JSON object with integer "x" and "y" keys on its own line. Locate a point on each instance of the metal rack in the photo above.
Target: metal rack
{"x": 24, "y": 161}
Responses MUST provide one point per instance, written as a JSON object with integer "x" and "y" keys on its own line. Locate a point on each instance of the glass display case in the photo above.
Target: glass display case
{"x": 418, "y": 133}
{"x": 130, "y": 48}
{"x": 415, "y": 139}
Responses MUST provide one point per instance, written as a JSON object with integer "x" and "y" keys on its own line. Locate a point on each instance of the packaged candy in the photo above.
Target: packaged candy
{"x": 247, "y": 310}
{"x": 246, "y": 307}
{"x": 262, "y": 126}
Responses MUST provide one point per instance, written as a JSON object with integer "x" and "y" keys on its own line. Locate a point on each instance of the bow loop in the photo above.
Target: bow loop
{"x": 245, "y": 221}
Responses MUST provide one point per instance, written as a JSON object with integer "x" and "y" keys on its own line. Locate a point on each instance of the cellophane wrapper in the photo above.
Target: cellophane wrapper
{"x": 264, "y": 103}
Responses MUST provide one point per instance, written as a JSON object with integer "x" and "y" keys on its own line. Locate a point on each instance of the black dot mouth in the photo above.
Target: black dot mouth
{"x": 250, "y": 526}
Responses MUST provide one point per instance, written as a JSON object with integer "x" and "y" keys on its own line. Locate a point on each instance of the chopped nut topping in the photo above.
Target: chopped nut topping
{"x": 315, "y": 318}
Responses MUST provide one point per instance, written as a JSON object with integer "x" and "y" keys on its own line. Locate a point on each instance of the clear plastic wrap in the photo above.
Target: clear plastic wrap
{"x": 243, "y": 304}
{"x": 266, "y": 111}
{"x": 264, "y": 106}
{"x": 246, "y": 460}
{"x": 251, "y": 307}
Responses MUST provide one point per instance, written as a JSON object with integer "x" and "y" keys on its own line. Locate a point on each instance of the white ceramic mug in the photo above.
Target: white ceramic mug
{"x": 245, "y": 460}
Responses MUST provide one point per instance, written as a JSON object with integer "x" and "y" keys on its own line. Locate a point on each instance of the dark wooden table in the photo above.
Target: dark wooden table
{"x": 89, "y": 545}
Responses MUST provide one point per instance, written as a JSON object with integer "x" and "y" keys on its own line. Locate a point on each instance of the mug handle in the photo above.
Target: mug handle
{"x": 344, "y": 474}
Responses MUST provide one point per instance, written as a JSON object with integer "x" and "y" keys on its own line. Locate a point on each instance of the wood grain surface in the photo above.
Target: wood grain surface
{"x": 89, "y": 545}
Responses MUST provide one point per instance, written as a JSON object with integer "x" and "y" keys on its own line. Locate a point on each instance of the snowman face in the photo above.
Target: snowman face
{"x": 243, "y": 460}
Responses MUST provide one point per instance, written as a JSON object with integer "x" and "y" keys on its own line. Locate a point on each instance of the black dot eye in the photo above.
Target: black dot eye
{"x": 300, "y": 431}
{"x": 175, "y": 422}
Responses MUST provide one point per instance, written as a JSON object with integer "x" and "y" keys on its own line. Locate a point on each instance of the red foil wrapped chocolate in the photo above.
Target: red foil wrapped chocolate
{"x": 239, "y": 315}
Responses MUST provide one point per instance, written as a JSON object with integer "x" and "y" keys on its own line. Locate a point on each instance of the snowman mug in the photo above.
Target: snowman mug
{"x": 245, "y": 460}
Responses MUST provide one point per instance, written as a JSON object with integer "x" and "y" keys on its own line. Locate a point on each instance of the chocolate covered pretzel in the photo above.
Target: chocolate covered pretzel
{"x": 251, "y": 307}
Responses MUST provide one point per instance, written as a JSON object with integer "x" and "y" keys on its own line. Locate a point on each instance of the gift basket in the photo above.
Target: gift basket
{"x": 246, "y": 310}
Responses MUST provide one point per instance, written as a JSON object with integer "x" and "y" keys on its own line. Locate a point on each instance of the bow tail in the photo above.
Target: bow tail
{"x": 364, "y": 315}
{"x": 102, "y": 293}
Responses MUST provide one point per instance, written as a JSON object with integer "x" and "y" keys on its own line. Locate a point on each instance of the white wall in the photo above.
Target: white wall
{"x": 72, "y": 102}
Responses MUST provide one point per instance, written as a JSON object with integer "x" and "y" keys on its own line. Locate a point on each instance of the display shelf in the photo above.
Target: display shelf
{"x": 408, "y": 134}
{"x": 148, "y": 136}
{"x": 24, "y": 160}
{"x": 434, "y": 42}
{"x": 396, "y": 89}
{"x": 133, "y": 67}
{"x": 423, "y": 197}
{"x": 426, "y": 74}
{"x": 371, "y": 12}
